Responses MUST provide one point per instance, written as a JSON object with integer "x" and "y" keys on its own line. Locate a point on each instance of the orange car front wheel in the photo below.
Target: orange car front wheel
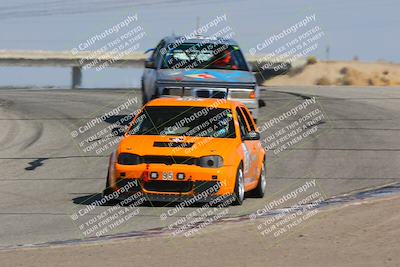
{"x": 239, "y": 187}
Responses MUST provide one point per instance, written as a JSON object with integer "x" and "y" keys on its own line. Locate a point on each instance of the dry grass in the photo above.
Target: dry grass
{"x": 342, "y": 73}
{"x": 351, "y": 76}
{"x": 323, "y": 81}
{"x": 311, "y": 60}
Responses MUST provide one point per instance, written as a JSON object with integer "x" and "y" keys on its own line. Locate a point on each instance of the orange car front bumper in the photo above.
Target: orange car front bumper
{"x": 159, "y": 181}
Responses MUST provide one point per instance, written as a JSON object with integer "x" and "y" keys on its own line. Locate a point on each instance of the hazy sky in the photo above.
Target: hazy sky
{"x": 364, "y": 28}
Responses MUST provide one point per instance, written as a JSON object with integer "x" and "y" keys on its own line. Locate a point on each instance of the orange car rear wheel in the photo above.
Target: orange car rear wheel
{"x": 259, "y": 191}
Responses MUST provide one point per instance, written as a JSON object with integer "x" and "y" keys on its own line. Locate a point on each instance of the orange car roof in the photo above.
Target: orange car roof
{"x": 193, "y": 102}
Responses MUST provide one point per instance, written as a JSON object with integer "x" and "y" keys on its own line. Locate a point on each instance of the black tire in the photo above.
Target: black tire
{"x": 239, "y": 187}
{"x": 259, "y": 191}
{"x": 144, "y": 98}
{"x": 156, "y": 94}
{"x": 108, "y": 191}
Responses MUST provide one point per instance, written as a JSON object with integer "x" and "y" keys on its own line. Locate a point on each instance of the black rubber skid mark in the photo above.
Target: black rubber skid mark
{"x": 35, "y": 163}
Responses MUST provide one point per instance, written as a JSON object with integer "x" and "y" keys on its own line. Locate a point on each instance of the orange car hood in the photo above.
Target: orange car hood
{"x": 202, "y": 146}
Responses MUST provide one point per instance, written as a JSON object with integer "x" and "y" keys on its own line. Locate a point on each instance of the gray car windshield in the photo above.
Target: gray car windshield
{"x": 204, "y": 56}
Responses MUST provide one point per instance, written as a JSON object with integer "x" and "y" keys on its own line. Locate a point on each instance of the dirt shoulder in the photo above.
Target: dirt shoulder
{"x": 360, "y": 234}
{"x": 353, "y": 73}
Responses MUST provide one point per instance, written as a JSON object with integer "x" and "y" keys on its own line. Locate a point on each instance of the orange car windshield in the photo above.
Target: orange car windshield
{"x": 184, "y": 121}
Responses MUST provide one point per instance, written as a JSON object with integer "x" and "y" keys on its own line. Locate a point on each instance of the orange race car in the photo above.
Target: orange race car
{"x": 189, "y": 148}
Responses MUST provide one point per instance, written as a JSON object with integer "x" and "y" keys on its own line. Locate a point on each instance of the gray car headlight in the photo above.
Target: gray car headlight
{"x": 210, "y": 162}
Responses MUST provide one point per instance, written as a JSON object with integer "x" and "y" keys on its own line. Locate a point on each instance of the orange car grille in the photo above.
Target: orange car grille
{"x": 182, "y": 186}
{"x": 169, "y": 160}
{"x": 168, "y": 186}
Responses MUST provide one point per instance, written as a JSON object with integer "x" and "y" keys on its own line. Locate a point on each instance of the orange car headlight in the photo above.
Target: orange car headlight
{"x": 128, "y": 159}
{"x": 210, "y": 162}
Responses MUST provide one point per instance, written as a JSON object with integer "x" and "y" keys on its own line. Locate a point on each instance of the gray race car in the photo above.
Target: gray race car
{"x": 200, "y": 67}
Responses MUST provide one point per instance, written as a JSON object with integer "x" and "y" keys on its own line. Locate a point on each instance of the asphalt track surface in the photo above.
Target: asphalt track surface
{"x": 45, "y": 177}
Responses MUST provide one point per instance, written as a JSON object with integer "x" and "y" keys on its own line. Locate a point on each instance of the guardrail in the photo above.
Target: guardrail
{"x": 77, "y": 62}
